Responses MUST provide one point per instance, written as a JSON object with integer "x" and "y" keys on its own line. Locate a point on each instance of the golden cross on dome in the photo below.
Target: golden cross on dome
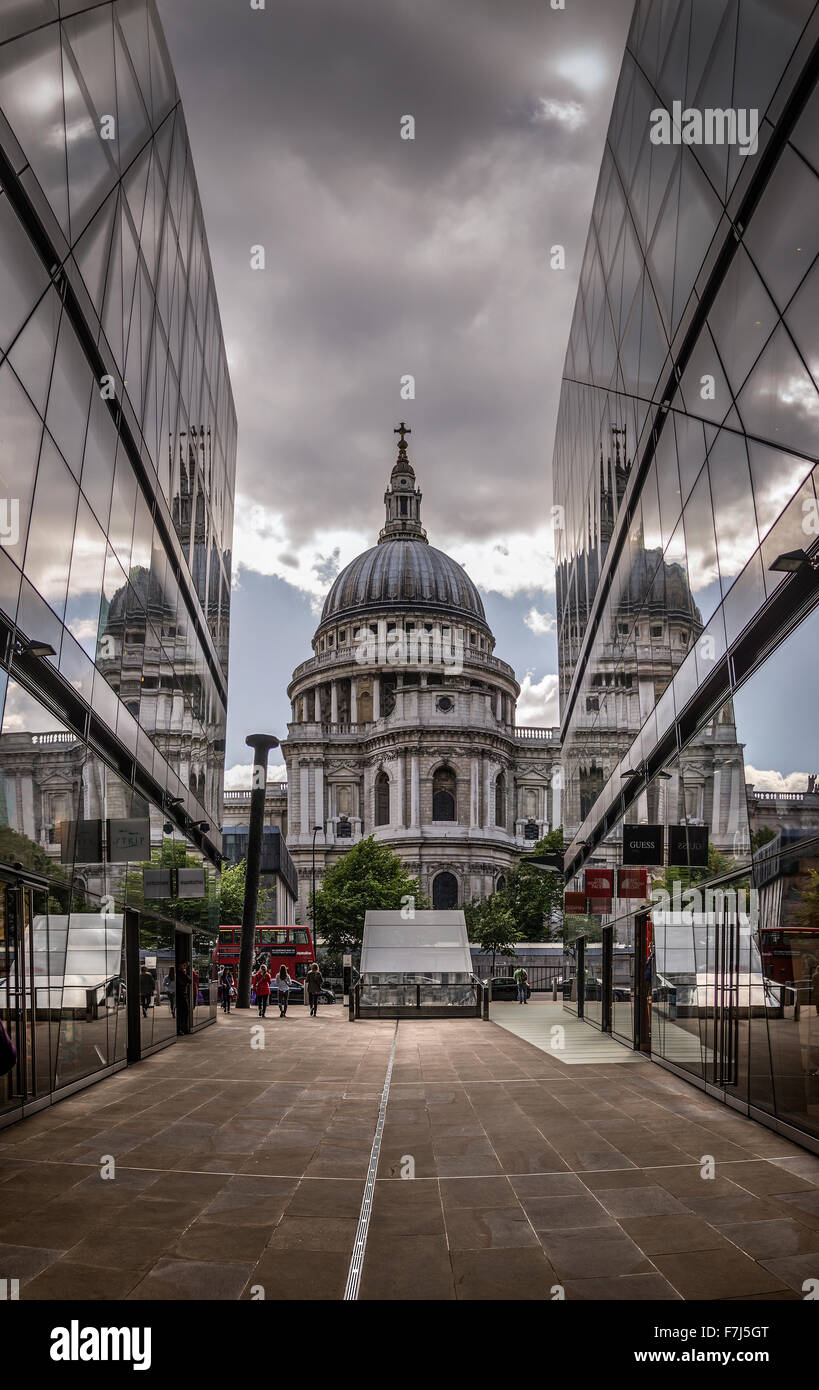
{"x": 402, "y": 430}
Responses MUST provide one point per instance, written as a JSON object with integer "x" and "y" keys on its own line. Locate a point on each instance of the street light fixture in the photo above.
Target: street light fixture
{"x": 795, "y": 562}
{"x": 22, "y": 647}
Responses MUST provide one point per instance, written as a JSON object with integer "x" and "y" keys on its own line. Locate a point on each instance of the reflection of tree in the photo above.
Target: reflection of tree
{"x": 172, "y": 854}
{"x": 807, "y": 914}
{"x": 718, "y": 865}
{"x": 575, "y": 925}
{"x": 19, "y": 849}
{"x": 762, "y": 836}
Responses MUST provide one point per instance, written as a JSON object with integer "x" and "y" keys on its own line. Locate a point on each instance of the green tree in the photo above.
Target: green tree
{"x": 368, "y": 876}
{"x": 535, "y": 897}
{"x": 232, "y": 895}
{"x": 494, "y": 928}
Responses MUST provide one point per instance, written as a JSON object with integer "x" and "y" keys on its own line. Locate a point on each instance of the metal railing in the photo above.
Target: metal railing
{"x": 415, "y": 1001}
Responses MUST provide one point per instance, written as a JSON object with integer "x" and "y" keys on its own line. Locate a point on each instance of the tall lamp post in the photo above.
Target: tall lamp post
{"x": 316, "y": 829}
{"x": 261, "y": 745}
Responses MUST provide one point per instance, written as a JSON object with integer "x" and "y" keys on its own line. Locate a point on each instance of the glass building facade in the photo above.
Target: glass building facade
{"x": 685, "y": 467}
{"x": 117, "y": 462}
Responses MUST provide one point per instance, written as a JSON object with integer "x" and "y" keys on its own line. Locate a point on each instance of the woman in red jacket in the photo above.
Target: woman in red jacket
{"x": 261, "y": 986}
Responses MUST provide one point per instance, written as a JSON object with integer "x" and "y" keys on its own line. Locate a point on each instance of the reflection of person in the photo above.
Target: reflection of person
{"x": 146, "y": 989}
{"x": 283, "y": 983}
{"x": 522, "y": 982}
{"x": 814, "y": 988}
{"x": 170, "y": 990}
{"x": 314, "y": 983}
{"x": 183, "y": 999}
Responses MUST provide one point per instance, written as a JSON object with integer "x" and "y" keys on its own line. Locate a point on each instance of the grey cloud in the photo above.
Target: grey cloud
{"x": 387, "y": 257}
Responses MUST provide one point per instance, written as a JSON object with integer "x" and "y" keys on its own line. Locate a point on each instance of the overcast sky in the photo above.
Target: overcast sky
{"x": 387, "y": 257}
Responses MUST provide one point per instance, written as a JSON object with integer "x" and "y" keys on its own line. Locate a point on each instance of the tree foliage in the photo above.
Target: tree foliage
{"x": 232, "y": 895}
{"x": 368, "y": 876}
{"x": 494, "y": 929}
{"x": 533, "y": 898}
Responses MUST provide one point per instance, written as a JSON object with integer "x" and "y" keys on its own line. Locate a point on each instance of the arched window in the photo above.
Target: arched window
{"x": 382, "y": 799}
{"x": 500, "y": 884}
{"x": 591, "y": 785}
{"x": 443, "y": 794}
{"x": 444, "y": 892}
{"x": 500, "y": 800}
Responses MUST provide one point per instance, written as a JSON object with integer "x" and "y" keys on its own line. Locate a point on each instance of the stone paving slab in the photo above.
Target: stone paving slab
{"x": 240, "y": 1168}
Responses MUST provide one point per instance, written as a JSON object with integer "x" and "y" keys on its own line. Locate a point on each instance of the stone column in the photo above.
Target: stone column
{"x": 318, "y": 793}
{"x": 304, "y": 798}
{"x": 557, "y": 815}
{"x": 317, "y": 714}
{"x": 499, "y": 705}
{"x": 474, "y": 794}
{"x": 716, "y": 794}
{"x": 376, "y": 697}
{"x": 353, "y": 700}
{"x": 334, "y": 702}
{"x": 398, "y": 818}
{"x": 415, "y": 792}
{"x": 488, "y": 817}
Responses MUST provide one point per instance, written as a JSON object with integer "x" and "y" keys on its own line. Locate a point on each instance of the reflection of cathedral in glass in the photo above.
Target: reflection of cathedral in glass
{"x": 686, "y": 492}
{"x": 117, "y": 461}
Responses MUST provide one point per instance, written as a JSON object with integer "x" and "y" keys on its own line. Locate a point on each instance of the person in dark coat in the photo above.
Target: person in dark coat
{"x": 183, "y": 999}
{"x": 146, "y": 989}
{"x": 315, "y": 980}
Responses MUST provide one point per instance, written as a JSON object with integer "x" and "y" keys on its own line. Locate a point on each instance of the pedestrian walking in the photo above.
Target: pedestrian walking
{"x": 146, "y": 989}
{"x": 226, "y": 987}
{"x": 283, "y": 983}
{"x": 314, "y": 984}
{"x": 261, "y": 988}
{"x": 522, "y": 982}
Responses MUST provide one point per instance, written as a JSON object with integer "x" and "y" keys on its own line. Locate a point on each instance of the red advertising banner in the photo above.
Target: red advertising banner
{"x": 632, "y": 883}
{"x": 599, "y": 883}
{"x": 575, "y": 903}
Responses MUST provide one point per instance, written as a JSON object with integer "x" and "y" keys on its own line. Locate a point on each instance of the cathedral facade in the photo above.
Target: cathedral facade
{"x": 403, "y": 723}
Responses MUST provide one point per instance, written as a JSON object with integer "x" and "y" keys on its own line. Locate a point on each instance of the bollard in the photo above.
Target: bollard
{"x": 554, "y": 991}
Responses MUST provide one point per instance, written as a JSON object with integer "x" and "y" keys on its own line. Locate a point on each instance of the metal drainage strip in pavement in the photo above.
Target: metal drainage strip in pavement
{"x": 582, "y": 1045}
{"x": 357, "y": 1261}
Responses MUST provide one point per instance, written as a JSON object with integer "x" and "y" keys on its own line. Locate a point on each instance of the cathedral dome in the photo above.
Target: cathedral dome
{"x": 403, "y": 569}
{"x": 403, "y": 573}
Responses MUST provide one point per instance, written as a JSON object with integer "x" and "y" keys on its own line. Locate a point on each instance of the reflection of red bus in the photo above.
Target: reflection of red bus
{"x": 290, "y": 946}
{"x": 789, "y": 954}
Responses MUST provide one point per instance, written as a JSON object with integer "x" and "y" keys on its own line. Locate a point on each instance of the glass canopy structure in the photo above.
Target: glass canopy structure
{"x": 420, "y": 963}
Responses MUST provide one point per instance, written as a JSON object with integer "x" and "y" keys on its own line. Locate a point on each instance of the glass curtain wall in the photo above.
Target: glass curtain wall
{"x": 685, "y": 467}
{"x": 117, "y": 462}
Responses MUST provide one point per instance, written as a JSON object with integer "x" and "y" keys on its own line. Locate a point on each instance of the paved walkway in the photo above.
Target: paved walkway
{"x": 239, "y": 1169}
{"x": 568, "y": 1039}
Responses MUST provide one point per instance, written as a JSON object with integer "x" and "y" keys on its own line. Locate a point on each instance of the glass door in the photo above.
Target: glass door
{"x": 25, "y": 987}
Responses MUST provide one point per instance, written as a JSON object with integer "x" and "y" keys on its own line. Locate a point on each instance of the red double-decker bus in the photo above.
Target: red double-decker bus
{"x": 290, "y": 946}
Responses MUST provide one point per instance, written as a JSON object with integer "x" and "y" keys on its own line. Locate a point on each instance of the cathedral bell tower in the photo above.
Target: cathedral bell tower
{"x": 402, "y": 498}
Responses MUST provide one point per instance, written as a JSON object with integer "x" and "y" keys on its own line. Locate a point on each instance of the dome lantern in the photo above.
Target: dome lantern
{"x": 402, "y": 498}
